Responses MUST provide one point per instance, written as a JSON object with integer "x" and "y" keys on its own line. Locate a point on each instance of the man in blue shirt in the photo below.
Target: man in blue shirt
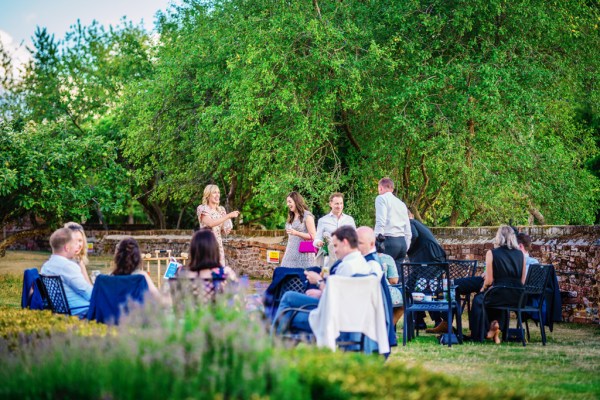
{"x": 524, "y": 241}
{"x": 61, "y": 263}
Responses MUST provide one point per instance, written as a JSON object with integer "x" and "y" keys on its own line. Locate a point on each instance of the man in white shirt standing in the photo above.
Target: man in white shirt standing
{"x": 328, "y": 224}
{"x": 77, "y": 289}
{"x": 392, "y": 222}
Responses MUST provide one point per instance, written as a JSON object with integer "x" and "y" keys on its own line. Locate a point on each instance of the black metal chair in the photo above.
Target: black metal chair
{"x": 530, "y": 299}
{"x": 428, "y": 277}
{"x": 53, "y": 294}
{"x": 293, "y": 280}
{"x": 463, "y": 269}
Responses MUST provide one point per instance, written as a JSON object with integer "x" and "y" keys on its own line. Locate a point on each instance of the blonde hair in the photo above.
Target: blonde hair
{"x": 82, "y": 257}
{"x": 506, "y": 237}
{"x": 208, "y": 190}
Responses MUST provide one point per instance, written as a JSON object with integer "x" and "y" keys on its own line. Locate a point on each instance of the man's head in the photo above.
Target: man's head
{"x": 345, "y": 241}
{"x": 366, "y": 240}
{"x": 385, "y": 185}
{"x": 62, "y": 243}
{"x": 524, "y": 241}
{"x": 336, "y": 202}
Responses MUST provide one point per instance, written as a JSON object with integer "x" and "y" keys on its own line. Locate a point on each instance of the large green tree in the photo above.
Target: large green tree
{"x": 470, "y": 106}
{"x": 61, "y": 155}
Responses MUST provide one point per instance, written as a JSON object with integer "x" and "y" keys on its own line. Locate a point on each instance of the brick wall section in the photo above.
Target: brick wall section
{"x": 573, "y": 250}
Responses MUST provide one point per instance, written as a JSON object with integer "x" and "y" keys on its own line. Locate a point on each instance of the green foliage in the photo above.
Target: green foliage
{"x": 214, "y": 351}
{"x": 481, "y": 111}
{"x": 47, "y": 170}
{"x": 470, "y": 107}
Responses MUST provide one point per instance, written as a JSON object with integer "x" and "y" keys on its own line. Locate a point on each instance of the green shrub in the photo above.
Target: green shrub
{"x": 213, "y": 351}
{"x": 18, "y": 326}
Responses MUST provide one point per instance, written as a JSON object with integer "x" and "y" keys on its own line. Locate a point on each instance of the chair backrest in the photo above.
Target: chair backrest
{"x": 462, "y": 268}
{"x": 290, "y": 283}
{"x": 111, "y": 295}
{"x": 423, "y": 277}
{"x": 53, "y": 292}
{"x": 537, "y": 278}
{"x": 198, "y": 290}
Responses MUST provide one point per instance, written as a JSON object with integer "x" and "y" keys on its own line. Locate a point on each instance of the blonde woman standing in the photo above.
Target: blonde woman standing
{"x": 212, "y": 215}
{"x": 81, "y": 257}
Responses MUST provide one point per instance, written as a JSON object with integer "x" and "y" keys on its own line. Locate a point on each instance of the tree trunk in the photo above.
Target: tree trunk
{"x": 12, "y": 239}
{"x": 537, "y": 215}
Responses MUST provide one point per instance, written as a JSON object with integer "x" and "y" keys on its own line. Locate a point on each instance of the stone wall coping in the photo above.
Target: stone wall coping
{"x": 538, "y": 231}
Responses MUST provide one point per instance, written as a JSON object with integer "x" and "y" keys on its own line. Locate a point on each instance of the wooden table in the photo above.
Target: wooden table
{"x": 159, "y": 257}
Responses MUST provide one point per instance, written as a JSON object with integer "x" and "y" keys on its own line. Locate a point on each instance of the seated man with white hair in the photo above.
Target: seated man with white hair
{"x": 366, "y": 245}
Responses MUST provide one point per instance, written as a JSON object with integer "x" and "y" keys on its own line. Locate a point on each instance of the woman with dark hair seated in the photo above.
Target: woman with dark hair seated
{"x": 204, "y": 261}
{"x": 505, "y": 266}
{"x": 128, "y": 261}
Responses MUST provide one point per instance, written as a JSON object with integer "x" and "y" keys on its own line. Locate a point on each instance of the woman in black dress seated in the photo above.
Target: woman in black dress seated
{"x": 505, "y": 265}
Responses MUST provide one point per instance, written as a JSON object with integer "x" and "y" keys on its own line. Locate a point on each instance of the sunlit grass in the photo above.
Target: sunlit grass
{"x": 567, "y": 367}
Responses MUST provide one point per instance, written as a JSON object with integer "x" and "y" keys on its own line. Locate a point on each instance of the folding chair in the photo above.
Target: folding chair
{"x": 111, "y": 295}
{"x": 53, "y": 294}
{"x": 422, "y": 277}
{"x": 284, "y": 280}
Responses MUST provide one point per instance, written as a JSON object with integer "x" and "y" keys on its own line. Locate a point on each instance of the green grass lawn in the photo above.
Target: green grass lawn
{"x": 568, "y": 367}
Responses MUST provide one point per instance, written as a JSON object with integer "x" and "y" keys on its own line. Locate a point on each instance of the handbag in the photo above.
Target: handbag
{"x": 306, "y": 246}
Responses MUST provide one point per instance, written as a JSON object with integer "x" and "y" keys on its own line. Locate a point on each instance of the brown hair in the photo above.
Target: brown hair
{"x": 301, "y": 207}
{"x": 525, "y": 240}
{"x": 60, "y": 238}
{"x": 386, "y": 183}
{"x": 334, "y": 195}
{"x": 127, "y": 257}
{"x": 349, "y": 233}
{"x": 204, "y": 251}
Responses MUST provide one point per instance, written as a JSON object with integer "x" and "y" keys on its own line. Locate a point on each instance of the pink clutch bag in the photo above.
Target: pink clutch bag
{"x": 306, "y": 246}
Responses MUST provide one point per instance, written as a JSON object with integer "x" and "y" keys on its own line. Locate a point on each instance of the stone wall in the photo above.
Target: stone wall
{"x": 574, "y": 251}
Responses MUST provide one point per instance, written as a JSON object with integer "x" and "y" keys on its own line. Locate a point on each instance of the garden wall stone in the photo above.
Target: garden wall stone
{"x": 574, "y": 251}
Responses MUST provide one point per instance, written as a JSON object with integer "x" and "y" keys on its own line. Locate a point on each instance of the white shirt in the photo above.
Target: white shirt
{"x": 391, "y": 217}
{"x": 77, "y": 289}
{"x": 329, "y": 223}
{"x": 354, "y": 263}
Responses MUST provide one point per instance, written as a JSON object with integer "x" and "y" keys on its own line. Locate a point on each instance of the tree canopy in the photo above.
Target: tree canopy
{"x": 481, "y": 112}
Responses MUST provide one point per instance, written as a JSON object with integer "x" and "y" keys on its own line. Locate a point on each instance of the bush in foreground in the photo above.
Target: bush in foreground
{"x": 217, "y": 351}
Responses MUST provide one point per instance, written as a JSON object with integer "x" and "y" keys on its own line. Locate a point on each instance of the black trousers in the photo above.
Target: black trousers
{"x": 396, "y": 248}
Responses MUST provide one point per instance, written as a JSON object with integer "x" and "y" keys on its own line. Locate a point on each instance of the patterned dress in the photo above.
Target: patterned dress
{"x": 293, "y": 258}
{"x": 217, "y": 213}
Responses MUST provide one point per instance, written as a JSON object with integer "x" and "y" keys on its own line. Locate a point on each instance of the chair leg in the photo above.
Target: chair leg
{"x": 527, "y": 328}
{"x": 459, "y": 326}
{"x": 483, "y": 333}
{"x": 405, "y": 326}
{"x": 520, "y": 327}
{"x": 542, "y": 329}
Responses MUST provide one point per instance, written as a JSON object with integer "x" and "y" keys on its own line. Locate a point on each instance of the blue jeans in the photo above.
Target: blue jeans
{"x": 295, "y": 300}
